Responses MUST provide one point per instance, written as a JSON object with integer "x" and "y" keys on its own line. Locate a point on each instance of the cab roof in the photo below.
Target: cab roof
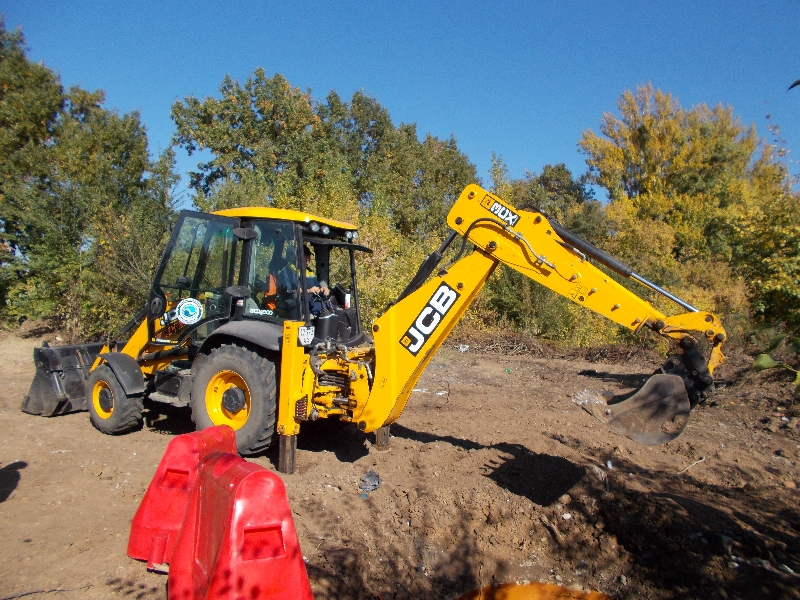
{"x": 282, "y": 214}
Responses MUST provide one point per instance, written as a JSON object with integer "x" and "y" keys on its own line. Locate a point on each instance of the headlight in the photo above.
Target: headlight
{"x": 325, "y": 230}
{"x": 355, "y": 235}
{"x": 348, "y": 235}
{"x": 314, "y": 226}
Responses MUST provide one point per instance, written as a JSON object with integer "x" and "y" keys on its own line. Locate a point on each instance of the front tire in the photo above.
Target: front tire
{"x": 236, "y": 387}
{"x": 111, "y": 410}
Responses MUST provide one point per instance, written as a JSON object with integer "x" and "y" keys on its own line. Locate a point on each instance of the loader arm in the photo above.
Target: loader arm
{"x": 408, "y": 334}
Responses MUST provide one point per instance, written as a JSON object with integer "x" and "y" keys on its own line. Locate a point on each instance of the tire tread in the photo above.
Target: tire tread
{"x": 127, "y": 415}
{"x": 265, "y": 370}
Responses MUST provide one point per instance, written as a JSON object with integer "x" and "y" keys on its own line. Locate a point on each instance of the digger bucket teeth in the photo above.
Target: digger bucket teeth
{"x": 59, "y": 385}
{"x": 656, "y": 414}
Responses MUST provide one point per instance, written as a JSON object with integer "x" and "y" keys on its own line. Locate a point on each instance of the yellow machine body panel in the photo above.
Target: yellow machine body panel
{"x": 526, "y": 242}
{"x": 282, "y": 214}
{"x": 530, "y": 245}
{"x": 140, "y": 344}
{"x": 409, "y": 333}
{"x": 296, "y": 384}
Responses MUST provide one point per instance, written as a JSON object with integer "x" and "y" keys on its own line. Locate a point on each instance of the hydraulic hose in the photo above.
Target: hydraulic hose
{"x": 427, "y": 267}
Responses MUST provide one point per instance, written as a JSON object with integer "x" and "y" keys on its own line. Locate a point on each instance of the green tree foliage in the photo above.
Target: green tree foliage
{"x": 30, "y": 101}
{"x": 768, "y": 251}
{"x": 680, "y": 170}
{"x": 265, "y": 137}
{"x": 786, "y": 344}
{"x": 696, "y": 203}
{"x": 273, "y": 144}
{"x": 78, "y": 192}
{"x": 279, "y": 146}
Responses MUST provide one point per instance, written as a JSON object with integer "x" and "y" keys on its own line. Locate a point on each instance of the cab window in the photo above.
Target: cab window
{"x": 273, "y": 277}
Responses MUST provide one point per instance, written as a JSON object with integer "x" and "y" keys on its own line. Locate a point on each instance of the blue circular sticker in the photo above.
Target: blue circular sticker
{"x": 189, "y": 311}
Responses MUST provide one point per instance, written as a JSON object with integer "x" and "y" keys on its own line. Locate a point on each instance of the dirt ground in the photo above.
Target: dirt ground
{"x": 493, "y": 476}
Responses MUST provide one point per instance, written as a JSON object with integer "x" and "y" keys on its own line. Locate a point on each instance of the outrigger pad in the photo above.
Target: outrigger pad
{"x": 654, "y": 415}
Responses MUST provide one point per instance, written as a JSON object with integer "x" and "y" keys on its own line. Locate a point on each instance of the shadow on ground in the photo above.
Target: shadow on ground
{"x": 129, "y": 588}
{"x": 697, "y": 540}
{"x": 424, "y": 566}
{"x": 541, "y": 478}
{"x": 165, "y": 418}
{"x": 683, "y": 538}
{"x": 628, "y": 380}
{"x": 670, "y": 545}
{"x": 342, "y": 439}
{"x": 9, "y": 478}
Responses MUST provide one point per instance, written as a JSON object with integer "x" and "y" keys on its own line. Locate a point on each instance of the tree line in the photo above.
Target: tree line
{"x": 696, "y": 201}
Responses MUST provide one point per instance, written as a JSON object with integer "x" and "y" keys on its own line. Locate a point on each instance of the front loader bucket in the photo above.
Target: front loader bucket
{"x": 59, "y": 385}
{"x": 656, "y": 414}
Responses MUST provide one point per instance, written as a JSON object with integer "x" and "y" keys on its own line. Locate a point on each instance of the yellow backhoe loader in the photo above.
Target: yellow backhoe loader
{"x": 253, "y": 321}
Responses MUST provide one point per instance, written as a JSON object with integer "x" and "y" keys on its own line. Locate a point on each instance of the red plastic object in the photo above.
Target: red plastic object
{"x": 238, "y": 538}
{"x": 155, "y": 527}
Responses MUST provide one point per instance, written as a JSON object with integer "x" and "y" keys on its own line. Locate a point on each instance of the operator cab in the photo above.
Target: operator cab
{"x": 262, "y": 265}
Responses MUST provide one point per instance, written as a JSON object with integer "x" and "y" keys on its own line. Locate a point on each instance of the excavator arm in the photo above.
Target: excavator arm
{"x": 408, "y": 334}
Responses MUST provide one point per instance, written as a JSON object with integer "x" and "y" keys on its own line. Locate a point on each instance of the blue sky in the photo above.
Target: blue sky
{"x": 521, "y": 79}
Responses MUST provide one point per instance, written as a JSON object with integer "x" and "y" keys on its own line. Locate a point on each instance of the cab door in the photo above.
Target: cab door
{"x": 188, "y": 292}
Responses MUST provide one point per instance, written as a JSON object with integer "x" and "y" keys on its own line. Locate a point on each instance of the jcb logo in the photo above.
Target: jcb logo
{"x": 428, "y": 320}
{"x": 497, "y": 209}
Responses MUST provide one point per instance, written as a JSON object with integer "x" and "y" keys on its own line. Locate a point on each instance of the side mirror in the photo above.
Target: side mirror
{"x": 245, "y": 233}
{"x": 238, "y": 291}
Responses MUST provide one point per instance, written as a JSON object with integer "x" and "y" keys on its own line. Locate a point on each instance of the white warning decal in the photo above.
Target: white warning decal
{"x": 500, "y": 210}
{"x": 429, "y": 318}
{"x": 305, "y": 335}
{"x": 189, "y": 311}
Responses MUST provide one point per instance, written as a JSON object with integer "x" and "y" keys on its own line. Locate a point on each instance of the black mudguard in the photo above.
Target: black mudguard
{"x": 261, "y": 333}
{"x": 127, "y": 371}
{"x": 59, "y": 386}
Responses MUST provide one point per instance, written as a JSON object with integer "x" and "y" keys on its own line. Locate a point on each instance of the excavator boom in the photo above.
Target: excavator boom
{"x": 409, "y": 332}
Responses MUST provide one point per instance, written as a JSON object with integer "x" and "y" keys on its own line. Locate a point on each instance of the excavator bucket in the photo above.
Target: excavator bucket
{"x": 656, "y": 414}
{"x": 59, "y": 385}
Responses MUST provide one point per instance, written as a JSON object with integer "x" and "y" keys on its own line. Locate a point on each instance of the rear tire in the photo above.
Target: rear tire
{"x": 236, "y": 387}
{"x": 111, "y": 410}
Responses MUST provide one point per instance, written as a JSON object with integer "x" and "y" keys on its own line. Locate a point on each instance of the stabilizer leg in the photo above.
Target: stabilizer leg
{"x": 382, "y": 438}
{"x": 287, "y": 452}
